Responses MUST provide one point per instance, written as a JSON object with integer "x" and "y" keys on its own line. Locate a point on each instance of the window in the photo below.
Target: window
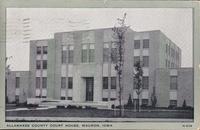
{"x": 104, "y": 99}
{"x": 137, "y": 44}
{"x": 145, "y": 61}
{"x": 38, "y": 64}
{"x": 64, "y": 56}
{"x": 166, "y": 63}
{"x": 44, "y": 64}
{"x": 173, "y": 82}
{"x": 146, "y": 43}
{"x": 44, "y": 96}
{"x": 113, "y": 82}
{"x": 39, "y": 49}
{"x": 112, "y": 99}
{"x": 62, "y": 98}
{"x": 173, "y": 103}
{"x": 44, "y": 82}
{"x": 63, "y": 82}
{"x": 69, "y": 98}
{"x": 106, "y": 53}
{"x": 84, "y": 53}
{"x": 144, "y": 102}
{"x": 70, "y": 82}
{"x": 136, "y": 59}
{"x": 114, "y": 55}
{"x": 17, "y": 82}
{"x": 37, "y": 82}
{"x": 166, "y": 48}
{"x": 145, "y": 82}
{"x": 91, "y": 53}
{"x": 44, "y": 49}
{"x": 105, "y": 82}
{"x": 71, "y": 54}
{"x": 16, "y": 99}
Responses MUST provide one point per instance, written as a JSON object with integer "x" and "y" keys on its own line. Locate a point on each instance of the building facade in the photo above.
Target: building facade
{"x": 79, "y": 66}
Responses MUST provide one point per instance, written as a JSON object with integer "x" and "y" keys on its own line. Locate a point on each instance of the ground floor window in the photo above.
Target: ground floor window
{"x": 69, "y": 98}
{"x": 173, "y": 103}
{"x": 104, "y": 99}
{"x": 62, "y": 98}
{"x": 17, "y": 99}
{"x": 145, "y": 102}
{"x": 44, "y": 96}
{"x": 112, "y": 99}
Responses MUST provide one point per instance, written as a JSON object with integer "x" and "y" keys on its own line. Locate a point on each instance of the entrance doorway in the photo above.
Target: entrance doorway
{"x": 89, "y": 88}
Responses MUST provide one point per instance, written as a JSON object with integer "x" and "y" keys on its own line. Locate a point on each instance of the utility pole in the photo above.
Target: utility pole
{"x": 119, "y": 36}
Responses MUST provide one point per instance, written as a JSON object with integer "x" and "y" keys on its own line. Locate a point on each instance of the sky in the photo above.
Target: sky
{"x": 175, "y": 23}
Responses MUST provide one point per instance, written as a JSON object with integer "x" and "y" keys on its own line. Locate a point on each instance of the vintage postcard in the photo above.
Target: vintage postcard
{"x": 100, "y": 65}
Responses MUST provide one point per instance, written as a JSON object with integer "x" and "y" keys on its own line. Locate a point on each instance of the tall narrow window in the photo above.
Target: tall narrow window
{"x": 37, "y": 82}
{"x": 145, "y": 82}
{"x": 44, "y": 49}
{"x": 38, "y": 64}
{"x": 44, "y": 64}
{"x": 91, "y": 53}
{"x": 44, "y": 82}
{"x": 64, "y": 56}
{"x": 173, "y": 82}
{"x": 145, "y": 61}
{"x": 136, "y": 59}
{"x": 114, "y": 53}
{"x": 71, "y": 54}
{"x": 84, "y": 53}
{"x": 113, "y": 82}
{"x": 70, "y": 82}
{"x": 39, "y": 50}
{"x": 137, "y": 44}
{"x": 146, "y": 43}
{"x": 105, "y": 82}
{"x": 106, "y": 52}
{"x": 63, "y": 82}
{"x": 17, "y": 82}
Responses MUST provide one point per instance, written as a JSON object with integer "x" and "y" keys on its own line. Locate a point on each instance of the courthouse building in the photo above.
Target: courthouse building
{"x": 78, "y": 66}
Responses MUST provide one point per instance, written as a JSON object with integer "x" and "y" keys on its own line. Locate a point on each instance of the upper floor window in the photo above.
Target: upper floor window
{"x": 91, "y": 53}
{"x": 88, "y": 53}
{"x": 106, "y": 52}
{"x": 105, "y": 82}
{"x": 114, "y": 53}
{"x": 113, "y": 82}
{"x": 44, "y": 82}
{"x": 137, "y": 44}
{"x": 44, "y": 64}
{"x": 145, "y": 82}
{"x": 64, "y": 55}
{"x": 173, "y": 82}
{"x": 71, "y": 54}
{"x": 44, "y": 49}
{"x": 17, "y": 84}
{"x": 38, "y": 64}
{"x": 145, "y": 61}
{"x": 146, "y": 43}
{"x": 63, "y": 82}
{"x": 39, "y": 50}
{"x": 37, "y": 82}
{"x": 136, "y": 59}
{"x": 70, "y": 82}
{"x": 84, "y": 53}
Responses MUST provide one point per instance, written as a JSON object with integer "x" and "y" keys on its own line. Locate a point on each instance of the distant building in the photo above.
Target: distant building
{"x": 77, "y": 66}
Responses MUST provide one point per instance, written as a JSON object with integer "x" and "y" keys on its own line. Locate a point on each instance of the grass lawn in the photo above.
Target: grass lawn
{"x": 54, "y": 112}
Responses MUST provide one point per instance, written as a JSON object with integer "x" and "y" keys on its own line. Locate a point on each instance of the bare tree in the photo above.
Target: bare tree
{"x": 119, "y": 41}
{"x": 138, "y": 75}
